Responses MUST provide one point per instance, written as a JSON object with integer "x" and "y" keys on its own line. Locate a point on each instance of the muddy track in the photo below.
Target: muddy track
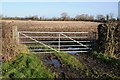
{"x": 62, "y": 69}
{"x": 98, "y": 66}
{"x": 95, "y": 67}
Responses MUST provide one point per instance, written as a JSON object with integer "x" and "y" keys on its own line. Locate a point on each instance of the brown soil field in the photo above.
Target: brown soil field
{"x": 56, "y": 26}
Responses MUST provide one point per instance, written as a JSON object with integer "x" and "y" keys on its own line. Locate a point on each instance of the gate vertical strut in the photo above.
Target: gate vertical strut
{"x": 59, "y": 44}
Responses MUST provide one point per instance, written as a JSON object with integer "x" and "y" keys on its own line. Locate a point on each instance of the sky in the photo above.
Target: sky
{"x": 119, "y": 10}
{"x": 54, "y": 9}
{"x": 59, "y": 0}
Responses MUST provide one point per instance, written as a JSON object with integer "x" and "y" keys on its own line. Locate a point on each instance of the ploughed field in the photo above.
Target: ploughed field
{"x": 55, "y": 26}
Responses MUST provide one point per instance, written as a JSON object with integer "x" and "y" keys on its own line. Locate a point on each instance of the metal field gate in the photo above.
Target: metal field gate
{"x": 46, "y": 42}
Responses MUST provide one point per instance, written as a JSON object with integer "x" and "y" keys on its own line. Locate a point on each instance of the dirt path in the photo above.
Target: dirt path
{"x": 98, "y": 66}
{"x": 63, "y": 70}
{"x": 95, "y": 67}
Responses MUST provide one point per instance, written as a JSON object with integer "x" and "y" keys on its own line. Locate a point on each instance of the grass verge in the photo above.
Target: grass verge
{"x": 70, "y": 60}
{"x": 26, "y": 66}
{"x": 106, "y": 59}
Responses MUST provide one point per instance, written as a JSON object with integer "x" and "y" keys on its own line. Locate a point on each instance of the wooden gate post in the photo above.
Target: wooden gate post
{"x": 92, "y": 36}
{"x": 94, "y": 40}
{"x": 15, "y": 34}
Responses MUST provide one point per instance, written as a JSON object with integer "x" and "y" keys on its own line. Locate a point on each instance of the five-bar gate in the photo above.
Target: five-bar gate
{"x": 46, "y": 42}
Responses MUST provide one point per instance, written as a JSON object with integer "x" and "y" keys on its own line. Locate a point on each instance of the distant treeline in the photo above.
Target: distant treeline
{"x": 66, "y": 17}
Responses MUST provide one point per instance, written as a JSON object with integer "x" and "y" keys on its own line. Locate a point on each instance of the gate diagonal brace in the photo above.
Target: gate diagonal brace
{"x": 39, "y": 42}
{"x": 74, "y": 40}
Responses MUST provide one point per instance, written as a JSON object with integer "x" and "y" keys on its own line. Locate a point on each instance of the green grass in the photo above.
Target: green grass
{"x": 75, "y": 64}
{"x": 26, "y": 66}
{"x": 65, "y": 58}
{"x": 70, "y": 60}
{"x": 107, "y": 59}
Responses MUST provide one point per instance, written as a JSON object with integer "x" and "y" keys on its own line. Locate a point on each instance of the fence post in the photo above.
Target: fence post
{"x": 94, "y": 38}
{"x": 18, "y": 37}
{"x": 59, "y": 43}
{"x": 15, "y": 35}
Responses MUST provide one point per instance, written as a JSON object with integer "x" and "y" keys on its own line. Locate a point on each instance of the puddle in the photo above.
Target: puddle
{"x": 72, "y": 52}
{"x": 70, "y": 48}
{"x": 55, "y": 62}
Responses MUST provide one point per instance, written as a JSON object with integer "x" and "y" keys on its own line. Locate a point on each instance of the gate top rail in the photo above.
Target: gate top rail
{"x": 49, "y": 32}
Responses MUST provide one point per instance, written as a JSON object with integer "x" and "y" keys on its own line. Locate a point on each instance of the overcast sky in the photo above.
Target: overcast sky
{"x": 54, "y": 9}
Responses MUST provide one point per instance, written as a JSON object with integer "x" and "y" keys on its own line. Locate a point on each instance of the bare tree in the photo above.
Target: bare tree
{"x": 64, "y": 16}
{"x": 107, "y": 17}
{"x": 77, "y": 17}
{"x": 81, "y": 17}
{"x": 90, "y": 18}
{"x": 111, "y": 15}
{"x": 84, "y": 17}
{"x": 100, "y": 17}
